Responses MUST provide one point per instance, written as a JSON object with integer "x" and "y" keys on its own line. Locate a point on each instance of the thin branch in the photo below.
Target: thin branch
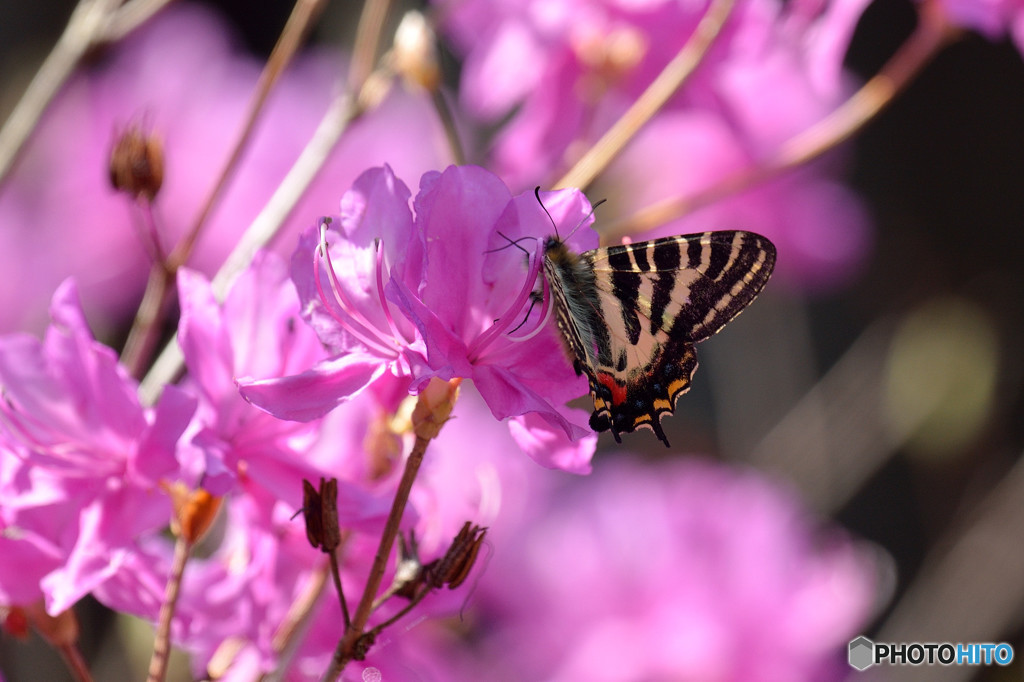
{"x": 289, "y": 635}
{"x": 668, "y": 82}
{"x": 130, "y": 17}
{"x": 343, "y": 111}
{"x": 933, "y": 33}
{"x": 162, "y": 641}
{"x": 367, "y": 45}
{"x": 295, "y": 29}
{"x": 346, "y": 650}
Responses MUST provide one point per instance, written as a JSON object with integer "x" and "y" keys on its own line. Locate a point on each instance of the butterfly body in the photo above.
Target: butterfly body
{"x": 630, "y": 315}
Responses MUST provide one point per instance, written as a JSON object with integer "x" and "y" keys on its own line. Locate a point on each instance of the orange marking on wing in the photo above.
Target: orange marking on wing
{"x": 617, "y": 389}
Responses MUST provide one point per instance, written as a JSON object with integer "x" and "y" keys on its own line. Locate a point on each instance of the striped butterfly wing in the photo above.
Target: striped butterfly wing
{"x": 631, "y": 315}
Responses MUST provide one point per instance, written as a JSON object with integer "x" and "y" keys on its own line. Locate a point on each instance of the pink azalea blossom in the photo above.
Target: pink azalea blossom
{"x": 81, "y": 460}
{"x": 438, "y": 291}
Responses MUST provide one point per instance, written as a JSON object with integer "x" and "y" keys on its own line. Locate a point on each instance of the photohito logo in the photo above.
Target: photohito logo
{"x": 863, "y": 653}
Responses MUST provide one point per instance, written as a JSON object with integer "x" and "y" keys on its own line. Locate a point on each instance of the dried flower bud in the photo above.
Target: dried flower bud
{"x": 137, "y": 164}
{"x": 434, "y": 406}
{"x": 414, "y": 56}
{"x": 454, "y": 567}
{"x": 320, "y": 511}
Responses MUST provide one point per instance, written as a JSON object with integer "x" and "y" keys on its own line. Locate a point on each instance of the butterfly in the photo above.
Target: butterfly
{"x": 630, "y": 315}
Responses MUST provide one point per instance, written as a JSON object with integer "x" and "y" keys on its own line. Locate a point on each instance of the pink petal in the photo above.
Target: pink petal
{"x": 315, "y": 392}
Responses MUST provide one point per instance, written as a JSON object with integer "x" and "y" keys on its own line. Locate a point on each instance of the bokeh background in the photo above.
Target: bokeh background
{"x": 892, "y": 403}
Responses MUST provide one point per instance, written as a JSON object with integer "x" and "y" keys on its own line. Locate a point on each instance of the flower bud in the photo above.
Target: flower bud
{"x": 434, "y": 406}
{"x": 414, "y": 56}
{"x": 137, "y": 164}
{"x": 194, "y": 511}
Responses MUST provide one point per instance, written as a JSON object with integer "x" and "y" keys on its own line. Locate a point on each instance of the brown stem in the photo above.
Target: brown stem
{"x": 932, "y": 34}
{"x": 368, "y": 34}
{"x": 162, "y": 641}
{"x": 75, "y": 662}
{"x": 142, "y": 337}
{"x": 346, "y": 650}
{"x": 668, "y": 82}
{"x": 336, "y": 575}
{"x": 444, "y": 113}
{"x": 287, "y": 45}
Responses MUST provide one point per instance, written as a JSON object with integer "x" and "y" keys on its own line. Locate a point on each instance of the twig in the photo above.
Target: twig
{"x": 75, "y": 662}
{"x": 367, "y": 45}
{"x": 671, "y": 78}
{"x": 162, "y": 641}
{"x": 346, "y": 650}
{"x": 295, "y": 29}
{"x": 288, "y": 636}
{"x": 932, "y": 34}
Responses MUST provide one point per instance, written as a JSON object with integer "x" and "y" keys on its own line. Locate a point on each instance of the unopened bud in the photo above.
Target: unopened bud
{"x": 415, "y": 53}
{"x": 194, "y": 511}
{"x": 137, "y": 163}
{"x": 434, "y": 406}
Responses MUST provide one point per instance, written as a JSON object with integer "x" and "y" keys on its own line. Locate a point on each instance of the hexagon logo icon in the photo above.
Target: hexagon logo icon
{"x": 862, "y": 653}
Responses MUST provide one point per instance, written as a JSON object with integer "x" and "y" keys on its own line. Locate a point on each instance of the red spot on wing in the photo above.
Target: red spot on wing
{"x": 618, "y": 390}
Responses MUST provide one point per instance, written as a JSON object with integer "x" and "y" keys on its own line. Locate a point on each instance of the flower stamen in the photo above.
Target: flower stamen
{"x": 356, "y": 324}
{"x": 489, "y": 335}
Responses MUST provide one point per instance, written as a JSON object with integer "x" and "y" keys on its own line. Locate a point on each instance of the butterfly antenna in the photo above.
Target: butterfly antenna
{"x": 511, "y": 242}
{"x": 536, "y": 193}
{"x": 585, "y": 218}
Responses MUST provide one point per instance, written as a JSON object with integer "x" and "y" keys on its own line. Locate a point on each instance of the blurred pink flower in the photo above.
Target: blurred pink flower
{"x": 573, "y": 68}
{"x": 435, "y": 293}
{"x": 994, "y": 19}
{"x": 676, "y": 570}
{"x": 182, "y": 78}
{"x": 80, "y": 458}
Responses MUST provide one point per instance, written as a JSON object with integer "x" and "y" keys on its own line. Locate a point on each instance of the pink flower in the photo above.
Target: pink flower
{"x": 438, "y": 292}
{"x": 81, "y": 460}
{"x": 678, "y": 570}
{"x": 994, "y": 19}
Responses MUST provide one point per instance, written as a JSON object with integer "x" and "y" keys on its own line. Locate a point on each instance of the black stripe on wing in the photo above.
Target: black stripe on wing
{"x": 712, "y": 276}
